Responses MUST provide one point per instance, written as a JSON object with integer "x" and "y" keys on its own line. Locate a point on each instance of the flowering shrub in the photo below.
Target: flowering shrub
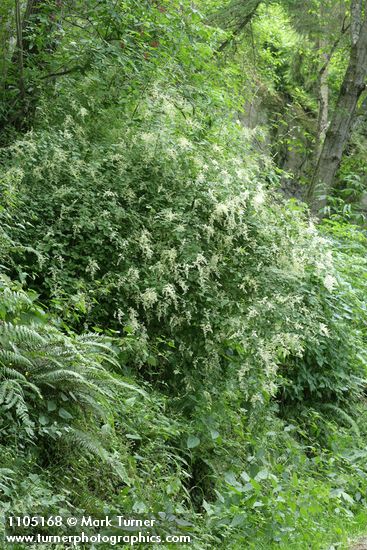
{"x": 168, "y": 233}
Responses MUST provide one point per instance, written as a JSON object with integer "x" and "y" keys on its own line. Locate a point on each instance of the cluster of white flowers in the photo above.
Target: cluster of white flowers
{"x": 226, "y": 177}
{"x": 259, "y": 198}
{"x": 145, "y": 243}
{"x": 129, "y": 195}
{"x": 257, "y": 399}
{"x": 329, "y": 282}
{"x": 200, "y": 260}
{"x": 148, "y": 138}
{"x": 149, "y": 298}
{"x": 183, "y": 285}
{"x": 209, "y": 231}
{"x": 171, "y": 152}
{"x": 206, "y": 328}
{"x": 132, "y": 275}
{"x": 200, "y": 178}
{"x": 185, "y": 143}
{"x": 119, "y": 315}
{"x": 133, "y": 319}
{"x": 221, "y": 210}
{"x": 60, "y": 259}
{"x": 168, "y": 215}
{"x": 169, "y": 255}
{"x": 324, "y": 330}
{"x": 110, "y": 193}
{"x": 83, "y": 112}
{"x": 169, "y": 292}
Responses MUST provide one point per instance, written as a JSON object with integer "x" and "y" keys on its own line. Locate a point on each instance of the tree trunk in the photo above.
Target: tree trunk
{"x": 28, "y": 53}
{"x": 323, "y": 85}
{"x": 323, "y": 117}
{"x": 33, "y": 8}
{"x": 338, "y": 132}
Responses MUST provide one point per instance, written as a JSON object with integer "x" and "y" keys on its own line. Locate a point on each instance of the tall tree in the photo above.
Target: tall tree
{"x": 352, "y": 87}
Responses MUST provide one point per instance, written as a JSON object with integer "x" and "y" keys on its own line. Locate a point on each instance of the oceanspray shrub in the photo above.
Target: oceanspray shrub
{"x": 168, "y": 233}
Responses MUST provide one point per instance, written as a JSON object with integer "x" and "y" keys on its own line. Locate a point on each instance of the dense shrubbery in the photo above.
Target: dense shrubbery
{"x": 164, "y": 234}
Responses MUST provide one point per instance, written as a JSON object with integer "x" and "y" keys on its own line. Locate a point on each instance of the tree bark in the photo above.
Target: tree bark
{"x": 323, "y": 114}
{"x": 338, "y": 132}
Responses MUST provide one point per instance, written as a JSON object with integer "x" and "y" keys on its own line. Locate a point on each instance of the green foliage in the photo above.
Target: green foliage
{"x": 56, "y": 391}
{"x": 117, "y": 50}
{"x": 201, "y": 350}
{"x": 48, "y": 379}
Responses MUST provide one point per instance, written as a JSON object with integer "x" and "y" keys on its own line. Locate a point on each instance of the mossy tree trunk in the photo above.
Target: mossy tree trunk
{"x": 339, "y": 129}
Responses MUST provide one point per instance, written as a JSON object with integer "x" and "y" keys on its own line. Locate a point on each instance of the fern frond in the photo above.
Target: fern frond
{"x": 87, "y": 442}
{"x": 7, "y": 373}
{"x": 22, "y": 334}
{"x": 8, "y": 357}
